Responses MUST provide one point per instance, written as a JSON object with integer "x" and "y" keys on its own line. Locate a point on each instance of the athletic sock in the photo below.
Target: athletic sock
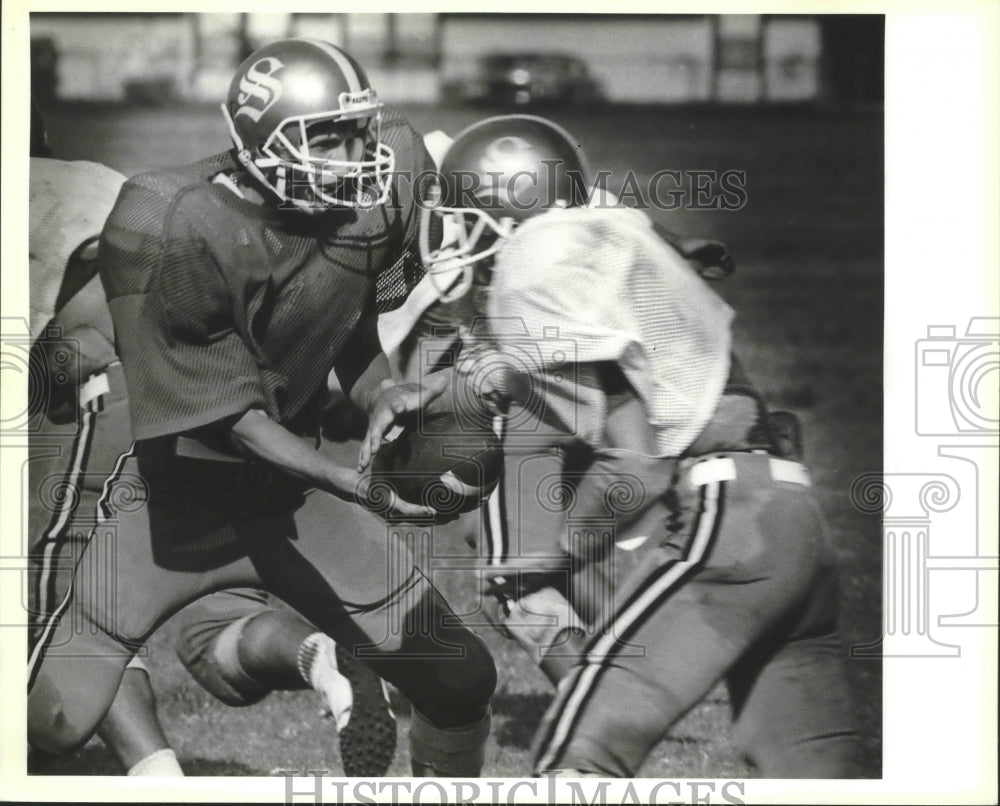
{"x": 160, "y": 764}
{"x": 317, "y": 663}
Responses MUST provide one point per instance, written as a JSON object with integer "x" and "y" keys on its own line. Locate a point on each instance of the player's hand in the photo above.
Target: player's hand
{"x": 383, "y": 500}
{"x": 394, "y": 401}
{"x": 484, "y": 374}
{"x": 712, "y": 259}
{"x": 529, "y": 572}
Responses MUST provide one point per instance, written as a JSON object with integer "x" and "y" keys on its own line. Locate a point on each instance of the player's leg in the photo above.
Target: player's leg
{"x": 351, "y": 574}
{"x": 120, "y": 594}
{"x": 240, "y": 644}
{"x": 209, "y": 645}
{"x": 649, "y": 668}
{"x": 795, "y": 716}
{"x": 791, "y": 699}
{"x": 67, "y": 473}
{"x": 132, "y": 731}
{"x": 699, "y": 601}
{"x": 58, "y": 528}
{"x": 569, "y": 512}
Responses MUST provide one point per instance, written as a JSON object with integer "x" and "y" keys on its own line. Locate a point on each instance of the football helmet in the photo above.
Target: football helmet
{"x": 306, "y": 123}
{"x": 496, "y": 174}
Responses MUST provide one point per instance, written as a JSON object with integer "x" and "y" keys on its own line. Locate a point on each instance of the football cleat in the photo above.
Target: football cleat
{"x": 368, "y": 739}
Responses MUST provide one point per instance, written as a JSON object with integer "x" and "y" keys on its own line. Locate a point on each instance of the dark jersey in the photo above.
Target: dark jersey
{"x": 222, "y": 305}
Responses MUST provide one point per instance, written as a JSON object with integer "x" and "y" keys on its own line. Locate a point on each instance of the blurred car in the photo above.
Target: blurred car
{"x": 523, "y": 79}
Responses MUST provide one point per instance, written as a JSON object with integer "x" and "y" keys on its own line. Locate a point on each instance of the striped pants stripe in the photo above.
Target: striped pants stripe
{"x": 748, "y": 596}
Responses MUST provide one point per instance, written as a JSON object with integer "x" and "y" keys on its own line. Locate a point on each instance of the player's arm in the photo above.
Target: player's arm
{"x": 477, "y": 374}
{"x": 256, "y": 434}
{"x": 361, "y": 373}
{"x": 364, "y": 375}
{"x": 387, "y": 401}
{"x": 392, "y": 402}
{"x": 187, "y": 367}
{"x": 712, "y": 259}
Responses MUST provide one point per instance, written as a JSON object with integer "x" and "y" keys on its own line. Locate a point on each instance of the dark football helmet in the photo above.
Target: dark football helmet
{"x": 496, "y": 174}
{"x": 306, "y": 123}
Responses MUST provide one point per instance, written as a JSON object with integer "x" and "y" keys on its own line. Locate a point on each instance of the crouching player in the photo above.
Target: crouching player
{"x": 225, "y": 486}
{"x": 646, "y": 457}
{"x": 238, "y": 644}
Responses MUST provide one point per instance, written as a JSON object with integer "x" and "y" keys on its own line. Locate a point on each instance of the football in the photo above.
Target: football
{"x": 439, "y": 462}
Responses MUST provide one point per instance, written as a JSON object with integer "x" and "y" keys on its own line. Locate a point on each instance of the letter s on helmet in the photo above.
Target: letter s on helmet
{"x": 495, "y": 174}
{"x": 293, "y": 94}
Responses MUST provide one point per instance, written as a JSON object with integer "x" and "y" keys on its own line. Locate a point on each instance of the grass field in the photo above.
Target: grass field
{"x": 808, "y": 293}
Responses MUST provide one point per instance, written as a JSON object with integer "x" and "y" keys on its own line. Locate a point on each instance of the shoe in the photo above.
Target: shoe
{"x": 322, "y": 672}
{"x": 368, "y": 739}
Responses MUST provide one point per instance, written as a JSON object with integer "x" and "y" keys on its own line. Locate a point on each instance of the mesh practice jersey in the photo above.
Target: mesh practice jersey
{"x": 589, "y": 285}
{"x": 222, "y": 305}
{"x": 69, "y": 202}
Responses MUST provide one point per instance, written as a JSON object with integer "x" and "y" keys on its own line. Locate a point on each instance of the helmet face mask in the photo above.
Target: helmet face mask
{"x": 468, "y": 237}
{"x": 298, "y": 150}
{"x": 496, "y": 174}
{"x": 307, "y": 125}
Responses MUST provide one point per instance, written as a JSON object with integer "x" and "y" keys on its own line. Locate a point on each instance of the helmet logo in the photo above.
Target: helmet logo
{"x": 506, "y": 153}
{"x": 513, "y": 158}
{"x": 259, "y": 84}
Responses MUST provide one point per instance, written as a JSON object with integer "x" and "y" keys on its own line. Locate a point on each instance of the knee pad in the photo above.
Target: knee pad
{"x": 459, "y": 693}
{"x": 216, "y": 666}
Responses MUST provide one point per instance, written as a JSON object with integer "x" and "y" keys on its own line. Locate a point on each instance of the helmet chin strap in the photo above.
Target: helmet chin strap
{"x": 354, "y": 197}
{"x": 245, "y": 158}
{"x": 452, "y": 279}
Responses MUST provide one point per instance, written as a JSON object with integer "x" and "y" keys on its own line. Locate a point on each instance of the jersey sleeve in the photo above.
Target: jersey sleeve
{"x": 186, "y": 365}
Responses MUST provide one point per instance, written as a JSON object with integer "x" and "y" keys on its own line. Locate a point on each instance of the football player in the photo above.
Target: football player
{"x": 647, "y": 456}
{"x": 238, "y": 644}
{"x": 236, "y": 286}
{"x": 80, "y": 424}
